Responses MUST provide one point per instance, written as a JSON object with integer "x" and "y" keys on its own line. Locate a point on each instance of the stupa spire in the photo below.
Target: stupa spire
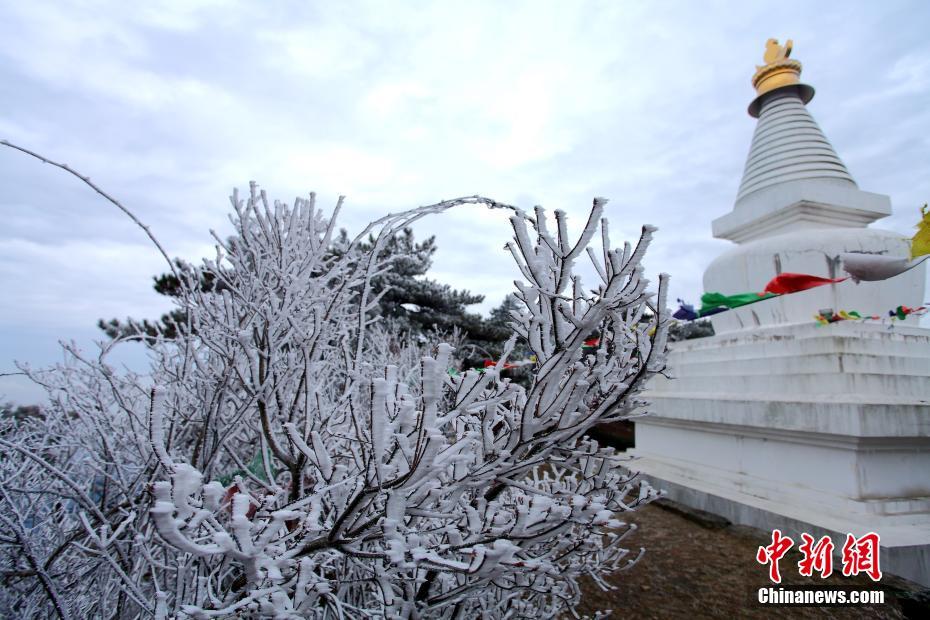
{"x": 788, "y": 145}
{"x": 793, "y": 177}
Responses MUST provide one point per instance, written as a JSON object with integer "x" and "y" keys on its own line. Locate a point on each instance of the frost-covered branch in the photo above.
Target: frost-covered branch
{"x": 289, "y": 457}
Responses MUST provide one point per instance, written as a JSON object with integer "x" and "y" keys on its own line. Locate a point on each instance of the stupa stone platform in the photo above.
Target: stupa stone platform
{"x": 807, "y": 428}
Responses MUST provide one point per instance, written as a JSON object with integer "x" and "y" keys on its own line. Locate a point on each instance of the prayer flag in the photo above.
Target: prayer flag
{"x": 875, "y": 267}
{"x": 711, "y": 303}
{"x": 796, "y": 282}
{"x": 920, "y": 243}
{"x": 685, "y": 312}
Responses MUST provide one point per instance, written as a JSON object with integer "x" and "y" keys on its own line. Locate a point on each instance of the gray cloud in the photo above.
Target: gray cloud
{"x": 169, "y": 105}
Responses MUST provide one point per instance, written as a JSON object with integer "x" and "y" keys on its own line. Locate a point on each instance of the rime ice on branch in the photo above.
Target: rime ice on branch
{"x": 285, "y": 466}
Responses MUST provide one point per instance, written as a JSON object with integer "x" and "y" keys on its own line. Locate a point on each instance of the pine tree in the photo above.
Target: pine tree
{"x": 411, "y": 302}
{"x": 169, "y": 324}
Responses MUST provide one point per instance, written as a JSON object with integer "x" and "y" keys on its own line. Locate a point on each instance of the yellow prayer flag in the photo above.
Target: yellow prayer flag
{"x": 920, "y": 244}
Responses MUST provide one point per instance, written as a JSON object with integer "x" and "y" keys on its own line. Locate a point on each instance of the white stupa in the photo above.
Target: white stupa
{"x": 777, "y": 421}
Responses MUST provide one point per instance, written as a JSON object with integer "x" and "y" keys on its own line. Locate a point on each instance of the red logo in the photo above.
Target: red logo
{"x": 860, "y": 555}
{"x": 817, "y": 557}
{"x": 773, "y": 553}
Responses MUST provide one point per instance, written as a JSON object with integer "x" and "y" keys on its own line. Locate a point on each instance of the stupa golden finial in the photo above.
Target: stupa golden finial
{"x": 778, "y": 71}
{"x": 775, "y": 52}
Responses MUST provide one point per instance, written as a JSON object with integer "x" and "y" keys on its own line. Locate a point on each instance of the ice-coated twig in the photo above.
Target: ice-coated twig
{"x": 290, "y": 456}
{"x": 86, "y": 180}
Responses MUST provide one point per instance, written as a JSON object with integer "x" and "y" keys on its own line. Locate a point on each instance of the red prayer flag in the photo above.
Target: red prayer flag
{"x": 491, "y": 363}
{"x": 796, "y": 282}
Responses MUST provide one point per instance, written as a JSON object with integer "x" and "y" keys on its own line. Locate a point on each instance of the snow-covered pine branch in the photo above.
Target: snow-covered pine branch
{"x": 287, "y": 457}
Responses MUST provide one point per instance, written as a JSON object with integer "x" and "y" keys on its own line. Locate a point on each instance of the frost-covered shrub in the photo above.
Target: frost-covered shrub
{"x": 288, "y": 458}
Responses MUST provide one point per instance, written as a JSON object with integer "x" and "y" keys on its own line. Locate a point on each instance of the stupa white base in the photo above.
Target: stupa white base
{"x": 801, "y": 427}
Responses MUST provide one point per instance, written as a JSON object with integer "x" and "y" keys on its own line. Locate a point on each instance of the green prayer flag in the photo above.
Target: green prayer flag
{"x": 715, "y": 301}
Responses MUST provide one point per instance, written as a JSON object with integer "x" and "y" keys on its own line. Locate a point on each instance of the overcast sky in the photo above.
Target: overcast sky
{"x": 168, "y": 105}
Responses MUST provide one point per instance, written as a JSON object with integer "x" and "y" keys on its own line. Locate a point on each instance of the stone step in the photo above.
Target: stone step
{"x": 812, "y": 330}
{"x": 685, "y": 366}
{"x": 753, "y": 348}
{"x": 905, "y": 546}
{"x": 824, "y": 499}
{"x": 786, "y": 384}
{"x": 851, "y": 415}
